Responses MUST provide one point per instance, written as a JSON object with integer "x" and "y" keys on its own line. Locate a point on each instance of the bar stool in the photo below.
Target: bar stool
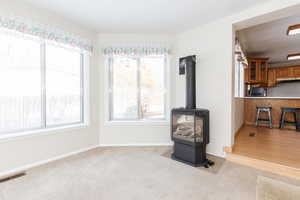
{"x": 283, "y": 122}
{"x": 260, "y": 120}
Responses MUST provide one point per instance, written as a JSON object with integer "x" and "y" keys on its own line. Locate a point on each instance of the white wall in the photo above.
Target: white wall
{"x": 26, "y": 150}
{"x": 212, "y": 43}
{"x": 290, "y": 89}
{"x": 237, "y": 109}
{"x": 237, "y": 116}
{"x": 144, "y": 134}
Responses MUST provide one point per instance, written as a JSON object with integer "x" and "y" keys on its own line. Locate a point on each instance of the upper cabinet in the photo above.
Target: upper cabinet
{"x": 296, "y": 72}
{"x": 257, "y": 71}
{"x": 277, "y": 74}
{"x": 284, "y": 72}
{"x": 272, "y": 78}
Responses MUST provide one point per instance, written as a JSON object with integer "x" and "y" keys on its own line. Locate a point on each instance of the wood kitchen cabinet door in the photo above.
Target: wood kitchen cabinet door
{"x": 253, "y": 72}
{"x": 272, "y": 77}
{"x": 284, "y": 72}
{"x": 296, "y": 71}
{"x": 257, "y": 71}
{"x": 246, "y": 75}
{"x": 263, "y": 71}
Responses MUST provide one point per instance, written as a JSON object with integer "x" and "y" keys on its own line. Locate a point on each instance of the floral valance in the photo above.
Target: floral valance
{"x": 45, "y": 32}
{"x": 135, "y": 51}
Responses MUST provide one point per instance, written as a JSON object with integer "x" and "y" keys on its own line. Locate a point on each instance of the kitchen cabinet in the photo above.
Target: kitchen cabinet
{"x": 246, "y": 75}
{"x": 296, "y": 72}
{"x": 284, "y": 72}
{"x": 263, "y": 71}
{"x": 258, "y": 74}
{"x": 272, "y": 78}
{"x": 257, "y": 71}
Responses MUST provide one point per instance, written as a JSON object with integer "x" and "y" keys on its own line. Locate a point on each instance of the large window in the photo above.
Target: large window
{"x": 137, "y": 88}
{"x": 41, "y": 83}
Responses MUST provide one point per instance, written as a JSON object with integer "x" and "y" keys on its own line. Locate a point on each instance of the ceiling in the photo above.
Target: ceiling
{"x": 271, "y": 40}
{"x": 143, "y": 16}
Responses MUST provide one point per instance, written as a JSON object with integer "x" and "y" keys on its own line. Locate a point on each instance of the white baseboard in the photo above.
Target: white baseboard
{"x": 137, "y": 145}
{"x": 39, "y": 163}
{"x": 154, "y": 145}
{"x": 216, "y": 154}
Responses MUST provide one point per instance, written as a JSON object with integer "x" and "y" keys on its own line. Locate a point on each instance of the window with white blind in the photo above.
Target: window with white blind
{"x": 41, "y": 83}
{"x": 137, "y": 88}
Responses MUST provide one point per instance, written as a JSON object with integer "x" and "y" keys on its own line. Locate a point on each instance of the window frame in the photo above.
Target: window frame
{"x": 84, "y": 92}
{"x": 109, "y": 120}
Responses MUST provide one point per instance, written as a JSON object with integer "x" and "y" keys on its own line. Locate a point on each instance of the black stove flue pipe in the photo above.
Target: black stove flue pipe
{"x": 189, "y": 64}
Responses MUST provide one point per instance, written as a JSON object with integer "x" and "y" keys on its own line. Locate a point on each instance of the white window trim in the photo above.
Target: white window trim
{"x": 85, "y": 106}
{"x": 161, "y": 122}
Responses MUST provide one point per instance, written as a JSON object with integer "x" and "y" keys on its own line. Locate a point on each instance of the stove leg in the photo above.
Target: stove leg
{"x": 211, "y": 163}
{"x": 208, "y": 163}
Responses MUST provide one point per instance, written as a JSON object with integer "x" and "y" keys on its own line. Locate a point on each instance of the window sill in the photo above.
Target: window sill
{"x": 137, "y": 123}
{"x": 41, "y": 132}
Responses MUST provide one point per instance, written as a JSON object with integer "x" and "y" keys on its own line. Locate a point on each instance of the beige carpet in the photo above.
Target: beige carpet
{"x": 270, "y": 189}
{"x": 132, "y": 174}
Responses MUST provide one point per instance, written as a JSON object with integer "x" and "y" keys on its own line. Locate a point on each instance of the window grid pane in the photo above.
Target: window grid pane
{"x": 63, "y": 86}
{"x": 152, "y": 87}
{"x": 20, "y": 97}
{"x": 146, "y": 90}
{"x": 124, "y": 88}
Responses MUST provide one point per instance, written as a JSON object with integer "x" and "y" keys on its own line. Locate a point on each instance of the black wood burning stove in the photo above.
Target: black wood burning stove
{"x": 189, "y": 125}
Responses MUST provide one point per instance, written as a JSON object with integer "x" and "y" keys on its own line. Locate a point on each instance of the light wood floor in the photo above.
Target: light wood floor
{"x": 274, "y": 145}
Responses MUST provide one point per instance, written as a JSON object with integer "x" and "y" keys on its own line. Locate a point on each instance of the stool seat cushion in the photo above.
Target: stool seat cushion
{"x": 264, "y": 109}
{"x": 287, "y": 109}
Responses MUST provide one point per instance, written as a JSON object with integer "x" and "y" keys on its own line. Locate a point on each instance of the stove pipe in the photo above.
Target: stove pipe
{"x": 190, "y": 67}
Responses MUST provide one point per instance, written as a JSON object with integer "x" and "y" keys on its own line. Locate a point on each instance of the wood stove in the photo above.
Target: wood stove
{"x": 189, "y": 125}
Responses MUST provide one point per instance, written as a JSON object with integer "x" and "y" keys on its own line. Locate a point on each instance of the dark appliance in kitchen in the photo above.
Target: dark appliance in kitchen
{"x": 190, "y": 125}
{"x": 258, "y": 92}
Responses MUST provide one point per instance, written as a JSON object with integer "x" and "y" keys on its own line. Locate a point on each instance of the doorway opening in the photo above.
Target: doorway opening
{"x": 267, "y": 91}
